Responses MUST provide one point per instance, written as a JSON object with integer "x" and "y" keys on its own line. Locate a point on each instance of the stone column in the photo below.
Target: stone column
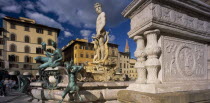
{"x": 140, "y": 55}
{"x": 152, "y": 50}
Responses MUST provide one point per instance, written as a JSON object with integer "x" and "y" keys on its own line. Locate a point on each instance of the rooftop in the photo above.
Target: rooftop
{"x": 29, "y": 21}
{"x": 82, "y": 41}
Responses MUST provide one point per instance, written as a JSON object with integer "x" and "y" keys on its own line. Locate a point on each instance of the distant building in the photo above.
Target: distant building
{"x": 79, "y": 50}
{"x": 126, "y": 64}
{"x": 127, "y": 48}
{"x": 123, "y": 61}
{"x": 133, "y": 71}
{"x": 24, "y": 43}
{"x": 82, "y": 51}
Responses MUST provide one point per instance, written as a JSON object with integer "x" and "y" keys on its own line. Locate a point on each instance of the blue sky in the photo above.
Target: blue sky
{"x": 75, "y": 18}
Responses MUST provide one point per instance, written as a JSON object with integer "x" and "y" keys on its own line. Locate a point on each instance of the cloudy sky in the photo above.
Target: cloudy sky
{"x": 75, "y": 18}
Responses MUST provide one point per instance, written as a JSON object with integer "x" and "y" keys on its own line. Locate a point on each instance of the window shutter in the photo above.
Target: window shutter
{"x": 16, "y": 58}
{"x": 31, "y": 59}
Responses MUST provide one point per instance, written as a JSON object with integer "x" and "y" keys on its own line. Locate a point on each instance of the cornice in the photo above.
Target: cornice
{"x": 131, "y": 7}
{"x": 192, "y": 5}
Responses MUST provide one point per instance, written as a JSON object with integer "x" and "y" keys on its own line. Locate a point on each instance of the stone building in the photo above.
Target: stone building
{"x": 79, "y": 50}
{"x": 2, "y": 52}
{"x": 24, "y": 43}
{"x": 131, "y": 70}
{"x": 123, "y": 61}
{"x": 126, "y": 64}
{"x": 82, "y": 51}
{"x": 132, "y": 62}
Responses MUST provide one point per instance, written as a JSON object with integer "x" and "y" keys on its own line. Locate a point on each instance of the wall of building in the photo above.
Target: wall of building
{"x": 123, "y": 60}
{"x": 83, "y": 53}
{"x": 20, "y": 43}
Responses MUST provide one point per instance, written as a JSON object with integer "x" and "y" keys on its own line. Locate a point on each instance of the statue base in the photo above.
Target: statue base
{"x": 104, "y": 72}
{"x": 169, "y": 87}
{"x": 129, "y": 96}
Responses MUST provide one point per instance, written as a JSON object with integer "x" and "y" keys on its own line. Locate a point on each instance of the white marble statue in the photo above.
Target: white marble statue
{"x": 101, "y": 38}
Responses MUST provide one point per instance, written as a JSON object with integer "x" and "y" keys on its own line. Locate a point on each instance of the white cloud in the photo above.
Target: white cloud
{"x": 42, "y": 19}
{"x": 81, "y": 13}
{"x": 10, "y": 6}
{"x": 111, "y": 38}
{"x": 67, "y": 34}
{"x": 85, "y": 33}
{"x": 29, "y": 5}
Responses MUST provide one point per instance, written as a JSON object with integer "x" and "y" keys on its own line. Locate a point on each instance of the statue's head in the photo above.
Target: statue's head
{"x": 54, "y": 44}
{"x": 98, "y": 8}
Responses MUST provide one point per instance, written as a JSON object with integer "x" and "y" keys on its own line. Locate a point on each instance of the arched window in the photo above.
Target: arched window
{"x": 13, "y": 37}
{"x": 39, "y": 50}
{"x": 87, "y": 56}
{"x": 27, "y": 39}
{"x": 27, "y": 49}
{"x": 49, "y": 42}
{"x": 27, "y": 59}
{"x": 13, "y": 48}
{"x": 113, "y": 53}
{"x": 13, "y": 58}
{"x": 39, "y": 40}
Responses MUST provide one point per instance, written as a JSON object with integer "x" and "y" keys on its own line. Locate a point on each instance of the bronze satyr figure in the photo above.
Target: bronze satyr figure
{"x": 72, "y": 87}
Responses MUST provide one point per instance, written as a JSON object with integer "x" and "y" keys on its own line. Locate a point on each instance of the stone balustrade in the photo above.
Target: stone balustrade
{"x": 152, "y": 50}
{"x": 140, "y": 55}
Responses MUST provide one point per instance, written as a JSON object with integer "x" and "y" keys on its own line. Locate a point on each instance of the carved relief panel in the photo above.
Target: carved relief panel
{"x": 174, "y": 17}
{"x": 183, "y": 60}
{"x": 142, "y": 17}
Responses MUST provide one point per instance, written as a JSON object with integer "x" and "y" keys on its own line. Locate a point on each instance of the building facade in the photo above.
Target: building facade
{"x": 123, "y": 61}
{"x": 24, "y": 38}
{"x": 126, "y": 63}
{"x": 2, "y": 46}
{"x": 79, "y": 50}
{"x": 82, "y": 51}
{"x": 131, "y": 72}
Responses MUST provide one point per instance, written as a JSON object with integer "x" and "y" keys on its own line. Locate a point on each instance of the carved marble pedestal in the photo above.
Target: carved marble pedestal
{"x": 175, "y": 42}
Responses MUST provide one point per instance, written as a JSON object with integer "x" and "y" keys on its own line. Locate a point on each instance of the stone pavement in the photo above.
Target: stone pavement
{"x": 17, "y": 97}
